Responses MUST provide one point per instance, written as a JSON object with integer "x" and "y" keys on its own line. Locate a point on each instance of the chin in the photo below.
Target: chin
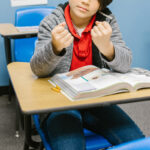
{"x": 81, "y": 15}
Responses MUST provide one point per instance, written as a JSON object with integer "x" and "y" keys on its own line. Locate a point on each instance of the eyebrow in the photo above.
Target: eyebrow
{"x": 105, "y": 15}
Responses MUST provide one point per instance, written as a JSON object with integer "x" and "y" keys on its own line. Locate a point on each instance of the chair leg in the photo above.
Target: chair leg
{"x": 26, "y": 146}
{"x": 27, "y": 128}
{"x": 41, "y": 146}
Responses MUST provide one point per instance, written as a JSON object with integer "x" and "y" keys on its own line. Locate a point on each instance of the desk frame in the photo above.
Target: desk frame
{"x": 30, "y": 100}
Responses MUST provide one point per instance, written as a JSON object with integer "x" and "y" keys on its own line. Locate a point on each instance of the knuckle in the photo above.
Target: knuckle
{"x": 65, "y": 31}
{"x": 105, "y": 33}
{"x": 53, "y": 32}
{"x": 70, "y": 36}
{"x": 94, "y": 36}
{"x": 94, "y": 28}
{"x": 66, "y": 44}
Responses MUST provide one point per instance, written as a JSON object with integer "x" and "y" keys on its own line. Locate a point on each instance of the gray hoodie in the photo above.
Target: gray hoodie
{"x": 45, "y": 63}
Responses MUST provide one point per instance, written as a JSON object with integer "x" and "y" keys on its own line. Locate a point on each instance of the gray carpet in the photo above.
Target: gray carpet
{"x": 8, "y": 141}
{"x": 139, "y": 112}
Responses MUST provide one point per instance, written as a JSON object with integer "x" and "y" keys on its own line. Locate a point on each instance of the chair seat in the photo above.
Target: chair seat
{"x": 140, "y": 144}
{"x": 93, "y": 140}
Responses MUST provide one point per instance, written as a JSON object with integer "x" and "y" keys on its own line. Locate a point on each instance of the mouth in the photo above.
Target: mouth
{"x": 82, "y": 9}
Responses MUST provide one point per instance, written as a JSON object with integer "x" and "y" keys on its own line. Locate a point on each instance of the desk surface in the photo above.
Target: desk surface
{"x": 35, "y": 94}
{"x": 7, "y": 30}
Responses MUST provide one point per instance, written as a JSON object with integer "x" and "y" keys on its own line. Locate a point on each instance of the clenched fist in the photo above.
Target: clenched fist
{"x": 61, "y": 38}
{"x": 101, "y": 34}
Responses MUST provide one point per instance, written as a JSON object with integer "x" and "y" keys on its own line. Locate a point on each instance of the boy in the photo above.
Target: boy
{"x": 79, "y": 33}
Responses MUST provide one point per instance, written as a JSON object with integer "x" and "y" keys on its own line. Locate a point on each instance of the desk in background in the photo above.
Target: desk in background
{"x": 8, "y": 32}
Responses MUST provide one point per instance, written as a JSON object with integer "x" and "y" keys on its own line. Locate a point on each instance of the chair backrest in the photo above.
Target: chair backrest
{"x": 31, "y": 16}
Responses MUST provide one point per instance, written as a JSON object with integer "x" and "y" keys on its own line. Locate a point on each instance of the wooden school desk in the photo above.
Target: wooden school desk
{"x": 35, "y": 95}
{"x": 8, "y": 32}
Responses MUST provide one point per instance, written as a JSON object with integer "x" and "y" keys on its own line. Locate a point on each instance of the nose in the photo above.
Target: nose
{"x": 86, "y": 1}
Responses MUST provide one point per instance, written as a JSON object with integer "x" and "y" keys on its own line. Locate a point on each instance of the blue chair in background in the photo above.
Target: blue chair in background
{"x": 31, "y": 16}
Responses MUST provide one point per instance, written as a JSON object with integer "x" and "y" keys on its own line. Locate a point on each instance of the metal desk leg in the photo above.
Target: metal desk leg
{"x": 7, "y": 49}
{"x": 28, "y": 140}
{"x": 10, "y": 91}
{"x": 8, "y": 60}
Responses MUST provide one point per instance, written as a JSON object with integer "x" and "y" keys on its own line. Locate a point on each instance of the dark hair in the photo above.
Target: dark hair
{"x": 104, "y": 3}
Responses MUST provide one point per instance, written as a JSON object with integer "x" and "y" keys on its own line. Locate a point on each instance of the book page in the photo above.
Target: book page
{"x": 101, "y": 78}
{"x": 89, "y": 78}
{"x": 137, "y": 77}
{"x": 76, "y": 80}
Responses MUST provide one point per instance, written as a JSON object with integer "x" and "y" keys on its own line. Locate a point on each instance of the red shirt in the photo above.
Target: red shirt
{"x": 82, "y": 48}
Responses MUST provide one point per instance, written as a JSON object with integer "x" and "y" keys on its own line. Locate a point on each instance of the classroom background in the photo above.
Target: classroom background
{"x": 133, "y": 19}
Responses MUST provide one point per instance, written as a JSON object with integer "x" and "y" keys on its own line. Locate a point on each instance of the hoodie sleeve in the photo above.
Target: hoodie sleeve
{"x": 123, "y": 55}
{"x": 44, "y": 61}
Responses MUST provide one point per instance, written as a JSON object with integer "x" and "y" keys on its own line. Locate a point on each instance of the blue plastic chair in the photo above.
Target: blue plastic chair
{"x": 31, "y": 16}
{"x": 23, "y": 51}
{"x": 93, "y": 140}
{"x": 140, "y": 144}
{"x": 97, "y": 142}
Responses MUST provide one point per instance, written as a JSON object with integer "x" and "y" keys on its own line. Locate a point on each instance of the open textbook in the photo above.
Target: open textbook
{"x": 90, "y": 82}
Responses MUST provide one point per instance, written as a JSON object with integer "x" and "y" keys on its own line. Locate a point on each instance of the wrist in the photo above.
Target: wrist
{"x": 108, "y": 51}
{"x": 111, "y": 52}
{"x": 55, "y": 50}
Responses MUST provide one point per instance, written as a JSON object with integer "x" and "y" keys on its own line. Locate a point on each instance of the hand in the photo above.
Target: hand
{"x": 61, "y": 38}
{"x": 101, "y": 34}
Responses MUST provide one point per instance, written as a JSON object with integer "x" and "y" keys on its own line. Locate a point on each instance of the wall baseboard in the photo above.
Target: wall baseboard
{"x": 4, "y": 90}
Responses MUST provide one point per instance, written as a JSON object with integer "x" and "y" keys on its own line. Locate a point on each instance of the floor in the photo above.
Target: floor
{"x": 139, "y": 112}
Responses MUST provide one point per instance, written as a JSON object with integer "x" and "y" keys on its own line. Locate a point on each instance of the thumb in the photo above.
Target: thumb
{"x": 97, "y": 22}
{"x": 63, "y": 24}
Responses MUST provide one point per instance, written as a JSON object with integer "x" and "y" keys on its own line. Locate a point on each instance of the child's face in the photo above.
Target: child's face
{"x": 84, "y": 8}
